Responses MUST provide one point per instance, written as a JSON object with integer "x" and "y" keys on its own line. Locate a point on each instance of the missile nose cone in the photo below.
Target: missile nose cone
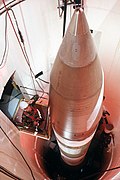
{"x": 77, "y": 43}
{"x": 78, "y": 24}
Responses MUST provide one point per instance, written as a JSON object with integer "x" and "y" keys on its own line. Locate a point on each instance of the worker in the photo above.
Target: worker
{"x": 31, "y": 116}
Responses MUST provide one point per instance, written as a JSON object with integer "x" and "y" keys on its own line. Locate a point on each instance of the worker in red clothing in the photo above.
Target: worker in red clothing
{"x": 31, "y": 117}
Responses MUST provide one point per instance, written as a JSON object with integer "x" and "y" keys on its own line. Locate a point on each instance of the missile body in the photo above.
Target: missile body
{"x": 76, "y": 91}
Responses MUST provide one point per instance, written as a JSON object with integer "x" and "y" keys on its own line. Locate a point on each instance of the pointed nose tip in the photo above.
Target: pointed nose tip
{"x": 78, "y": 25}
{"x": 77, "y": 48}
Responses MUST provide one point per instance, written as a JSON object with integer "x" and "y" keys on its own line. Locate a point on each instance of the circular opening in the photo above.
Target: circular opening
{"x": 96, "y": 161}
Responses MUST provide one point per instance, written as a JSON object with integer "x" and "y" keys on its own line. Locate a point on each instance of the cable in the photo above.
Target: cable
{"x": 7, "y": 4}
{"x": 22, "y": 48}
{"x": 29, "y": 45}
{"x": 27, "y": 58}
{"x": 19, "y": 152}
{"x": 33, "y": 89}
{"x": 19, "y": 32}
{"x": 23, "y": 20}
{"x": 40, "y": 97}
{"x": 31, "y": 71}
{"x": 13, "y": 26}
{"x": 44, "y": 81}
{"x": 3, "y": 61}
{"x": 22, "y": 41}
{"x": 8, "y": 173}
{"x": 10, "y": 4}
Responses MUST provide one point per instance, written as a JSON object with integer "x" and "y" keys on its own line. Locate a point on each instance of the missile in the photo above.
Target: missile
{"x": 76, "y": 91}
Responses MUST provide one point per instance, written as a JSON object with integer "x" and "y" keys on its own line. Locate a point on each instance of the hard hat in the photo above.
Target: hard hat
{"x": 23, "y": 104}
